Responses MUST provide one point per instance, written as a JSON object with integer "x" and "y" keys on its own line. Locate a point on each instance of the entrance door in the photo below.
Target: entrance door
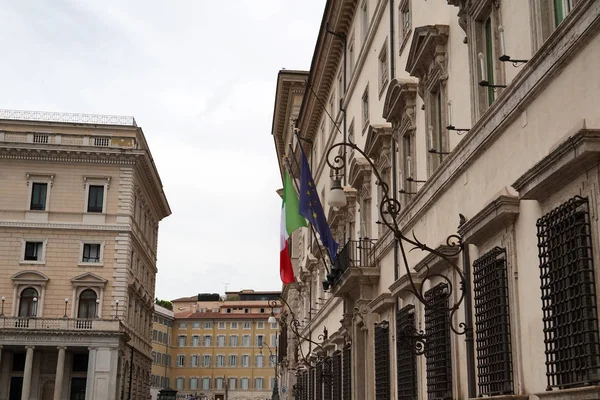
{"x": 78, "y": 388}
{"x": 16, "y": 387}
{"x": 219, "y": 397}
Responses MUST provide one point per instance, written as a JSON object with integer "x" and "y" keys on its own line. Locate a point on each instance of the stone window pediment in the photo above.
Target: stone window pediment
{"x": 360, "y": 170}
{"x": 427, "y": 55}
{"x": 378, "y": 141}
{"x": 30, "y": 278}
{"x": 399, "y": 105}
{"x": 89, "y": 279}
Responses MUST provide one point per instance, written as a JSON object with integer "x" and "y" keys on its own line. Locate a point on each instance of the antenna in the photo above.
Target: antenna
{"x": 226, "y": 285}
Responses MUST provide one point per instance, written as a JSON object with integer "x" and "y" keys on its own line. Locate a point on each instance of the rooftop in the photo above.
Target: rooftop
{"x": 75, "y": 118}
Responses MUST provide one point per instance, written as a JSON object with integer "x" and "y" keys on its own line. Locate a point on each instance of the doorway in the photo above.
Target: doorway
{"x": 219, "y": 397}
{"x": 78, "y": 388}
{"x": 16, "y": 387}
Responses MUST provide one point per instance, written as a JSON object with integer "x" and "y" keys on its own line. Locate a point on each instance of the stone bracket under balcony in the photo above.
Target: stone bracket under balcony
{"x": 353, "y": 281}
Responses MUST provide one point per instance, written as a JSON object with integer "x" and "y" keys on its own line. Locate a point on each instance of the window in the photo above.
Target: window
{"x": 272, "y": 360}
{"x": 180, "y": 383}
{"x": 245, "y": 360}
{"x": 549, "y": 14}
{"x": 91, "y": 253}
{"x": 232, "y": 383}
{"x": 221, "y": 341}
{"x": 569, "y": 295}
{"x": 196, "y": 341}
{"x": 193, "y": 383}
{"x": 195, "y": 361}
{"x": 492, "y": 323}
{"x": 234, "y": 325}
{"x": 181, "y": 360}
{"x": 165, "y": 338}
{"x": 259, "y": 361}
{"x": 208, "y": 325}
{"x": 246, "y": 311}
{"x": 195, "y": 325}
{"x": 364, "y": 14}
{"x": 206, "y": 360}
{"x": 437, "y": 354}
{"x": 182, "y": 325}
{"x": 405, "y": 23}
{"x": 365, "y": 108}
{"x": 28, "y": 303}
{"x": 233, "y": 341}
{"x": 351, "y": 58}
{"x": 274, "y": 325}
{"x": 260, "y": 325}
{"x": 247, "y": 325}
{"x": 244, "y": 383}
{"x": 259, "y": 383}
{"x": 490, "y": 59}
{"x": 87, "y": 304}
{"x": 221, "y": 325}
{"x": 340, "y": 89}
{"x": 382, "y": 366}
{"x": 181, "y": 339}
{"x": 38, "y": 196}
{"x": 561, "y": 9}
{"x": 205, "y": 383}
{"x": 155, "y": 335}
{"x": 233, "y": 360}
{"x": 219, "y": 383}
{"x": 34, "y": 251}
{"x": 220, "y": 360}
{"x": 383, "y": 68}
{"x": 437, "y": 141}
{"x": 406, "y": 359}
{"x": 95, "y": 198}
{"x": 260, "y": 340}
{"x": 246, "y": 341}
{"x": 207, "y": 340}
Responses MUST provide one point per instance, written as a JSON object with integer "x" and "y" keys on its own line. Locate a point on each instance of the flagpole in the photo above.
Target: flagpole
{"x": 287, "y": 161}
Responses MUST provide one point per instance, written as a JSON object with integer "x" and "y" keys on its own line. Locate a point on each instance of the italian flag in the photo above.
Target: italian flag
{"x": 290, "y": 221}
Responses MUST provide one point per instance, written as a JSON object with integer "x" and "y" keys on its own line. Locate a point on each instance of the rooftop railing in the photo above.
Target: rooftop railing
{"x": 76, "y": 118}
{"x": 59, "y": 324}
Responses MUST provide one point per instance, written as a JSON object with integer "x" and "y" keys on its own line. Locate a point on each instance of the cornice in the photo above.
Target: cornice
{"x": 88, "y": 155}
{"x": 401, "y": 95}
{"x": 51, "y": 225}
{"x": 382, "y": 303}
{"x": 402, "y": 285}
{"x": 432, "y": 262}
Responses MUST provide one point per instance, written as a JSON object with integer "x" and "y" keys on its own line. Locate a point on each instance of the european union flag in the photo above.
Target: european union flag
{"x": 310, "y": 208}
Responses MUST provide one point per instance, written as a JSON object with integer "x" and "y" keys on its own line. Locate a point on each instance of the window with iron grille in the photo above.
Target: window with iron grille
{"x": 406, "y": 359}
{"x": 319, "y": 381}
{"x": 569, "y": 296}
{"x": 305, "y": 385}
{"x": 328, "y": 381}
{"x": 437, "y": 351}
{"x": 311, "y": 384}
{"x": 282, "y": 343}
{"x": 382, "y": 358}
{"x": 336, "y": 370}
{"x": 492, "y": 323}
{"x": 346, "y": 373}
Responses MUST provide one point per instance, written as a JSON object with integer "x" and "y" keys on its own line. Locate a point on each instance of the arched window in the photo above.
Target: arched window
{"x": 27, "y": 303}
{"x": 87, "y": 304}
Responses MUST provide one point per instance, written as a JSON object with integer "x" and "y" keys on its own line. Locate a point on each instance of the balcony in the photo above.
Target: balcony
{"x": 355, "y": 265}
{"x": 13, "y": 324}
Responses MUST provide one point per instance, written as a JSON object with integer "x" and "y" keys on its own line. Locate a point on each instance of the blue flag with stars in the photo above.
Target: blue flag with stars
{"x": 310, "y": 208}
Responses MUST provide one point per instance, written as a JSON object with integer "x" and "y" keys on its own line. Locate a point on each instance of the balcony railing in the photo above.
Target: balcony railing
{"x": 59, "y": 324}
{"x": 355, "y": 253}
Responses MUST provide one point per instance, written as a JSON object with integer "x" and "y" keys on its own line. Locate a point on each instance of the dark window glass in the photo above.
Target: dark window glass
{"x": 33, "y": 251}
{"x": 91, "y": 252}
{"x": 87, "y": 304}
{"x": 80, "y": 362}
{"x": 38, "y": 196}
{"x": 437, "y": 350}
{"x": 27, "y": 305}
{"x": 95, "y": 198}
{"x": 382, "y": 363}
{"x": 18, "y": 362}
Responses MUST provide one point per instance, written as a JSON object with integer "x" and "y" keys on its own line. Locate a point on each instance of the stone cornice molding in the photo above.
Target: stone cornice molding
{"x": 427, "y": 56}
{"x": 433, "y": 263}
{"x": 569, "y": 159}
{"x": 502, "y": 210}
{"x": 377, "y": 146}
{"x": 30, "y": 277}
{"x": 50, "y": 225}
{"x": 401, "y": 287}
{"x": 89, "y": 279}
{"x": 382, "y": 303}
{"x": 399, "y": 105}
{"x": 360, "y": 171}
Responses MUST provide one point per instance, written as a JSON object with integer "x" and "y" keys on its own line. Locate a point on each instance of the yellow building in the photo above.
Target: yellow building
{"x": 161, "y": 349}
{"x": 222, "y": 348}
{"x": 80, "y": 203}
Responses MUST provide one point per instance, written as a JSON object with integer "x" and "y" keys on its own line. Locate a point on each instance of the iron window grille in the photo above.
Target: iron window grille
{"x": 336, "y": 369}
{"x": 311, "y": 383}
{"x": 492, "y": 324}
{"x": 406, "y": 359}
{"x": 569, "y": 296}
{"x": 382, "y": 360}
{"x": 346, "y": 373}
{"x": 328, "y": 383}
{"x": 437, "y": 350}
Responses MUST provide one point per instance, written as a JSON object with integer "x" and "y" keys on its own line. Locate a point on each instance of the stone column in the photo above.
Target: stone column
{"x": 89, "y": 385}
{"x": 60, "y": 373}
{"x": 27, "y": 373}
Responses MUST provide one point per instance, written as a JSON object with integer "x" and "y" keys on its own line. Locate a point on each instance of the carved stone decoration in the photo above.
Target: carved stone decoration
{"x": 399, "y": 107}
{"x": 427, "y": 56}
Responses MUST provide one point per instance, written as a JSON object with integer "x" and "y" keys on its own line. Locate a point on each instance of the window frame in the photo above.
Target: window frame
{"x": 99, "y": 263}
{"x": 383, "y": 68}
{"x": 365, "y": 113}
{"x": 37, "y": 178}
{"x": 404, "y": 33}
{"x": 40, "y": 261}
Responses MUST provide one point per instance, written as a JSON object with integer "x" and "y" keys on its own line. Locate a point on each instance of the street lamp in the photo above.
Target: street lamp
{"x": 272, "y": 320}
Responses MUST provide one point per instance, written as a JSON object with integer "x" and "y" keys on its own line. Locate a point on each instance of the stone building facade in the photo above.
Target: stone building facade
{"x": 162, "y": 331}
{"x": 480, "y": 118}
{"x": 80, "y": 204}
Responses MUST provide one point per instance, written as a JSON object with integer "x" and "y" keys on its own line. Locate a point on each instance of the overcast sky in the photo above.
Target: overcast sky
{"x": 199, "y": 77}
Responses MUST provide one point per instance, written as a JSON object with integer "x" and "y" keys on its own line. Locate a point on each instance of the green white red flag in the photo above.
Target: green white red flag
{"x": 290, "y": 221}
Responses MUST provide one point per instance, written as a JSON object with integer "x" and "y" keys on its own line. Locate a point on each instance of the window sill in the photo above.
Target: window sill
{"x": 32, "y": 262}
{"x": 504, "y": 397}
{"x": 365, "y": 126}
{"x": 404, "y": 41}
{"x": 582, "y": 393}
{"x": 90, "y": 264}
{"x": 383, "y": 87}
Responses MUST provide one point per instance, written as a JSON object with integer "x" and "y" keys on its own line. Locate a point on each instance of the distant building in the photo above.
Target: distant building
{"x": 80, "y": 204}
{"x": 221, "y": 346}
{"x": 162, "y": 327}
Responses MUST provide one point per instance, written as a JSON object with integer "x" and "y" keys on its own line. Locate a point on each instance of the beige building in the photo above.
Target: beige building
{"x": 459, "y": 135}
{"x": 162, "y": 329}
{"x": 80, "y": 204}
{"x": 221, "y": 348}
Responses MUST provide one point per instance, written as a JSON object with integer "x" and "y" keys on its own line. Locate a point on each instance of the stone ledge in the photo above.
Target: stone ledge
{"x": 583, "y": 393}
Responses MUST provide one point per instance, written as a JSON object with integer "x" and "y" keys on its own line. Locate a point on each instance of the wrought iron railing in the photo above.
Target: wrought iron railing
{"x": 347, "y": 373}
{"x": 355, "y": 253}
{"x": 25, "y": 115}
{"x": 336, "y": 384}
{"x": 569, "y": 305}
{"x": 59, "y": 324}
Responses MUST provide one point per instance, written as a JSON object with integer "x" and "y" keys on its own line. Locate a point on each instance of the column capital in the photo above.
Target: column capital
{"x": 30, "y": 347}
{"x": 92, "y": 348}
{"x": 62, "y": 347}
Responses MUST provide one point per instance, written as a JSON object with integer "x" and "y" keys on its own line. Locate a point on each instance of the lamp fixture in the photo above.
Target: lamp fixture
{"x": 504, "y": 57}
{"x": 66, "y": 302}
{"x": 450, "y": 126}
{"x": 484, "y": 81}
{"x": 337, "y": 197}
{"x": 2, "y": 312}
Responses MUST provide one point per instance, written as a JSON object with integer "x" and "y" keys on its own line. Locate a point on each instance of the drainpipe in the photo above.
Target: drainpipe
{"x": 469, "y": 324}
